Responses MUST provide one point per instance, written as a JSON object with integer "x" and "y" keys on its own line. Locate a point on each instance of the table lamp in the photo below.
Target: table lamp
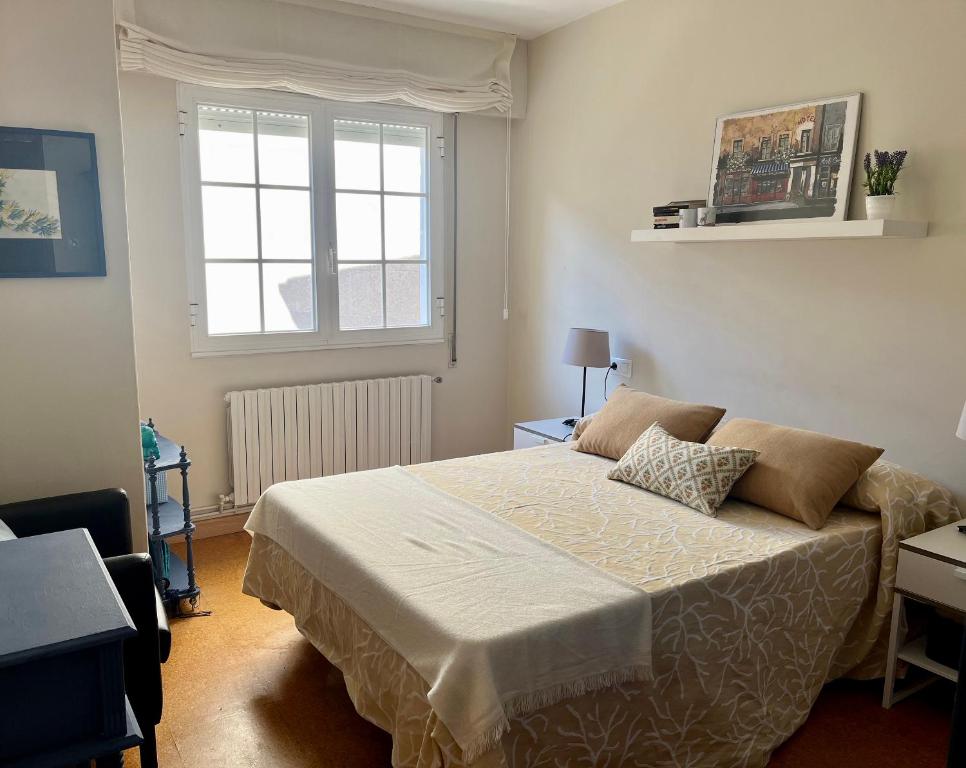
{"x": 586, "y": 348}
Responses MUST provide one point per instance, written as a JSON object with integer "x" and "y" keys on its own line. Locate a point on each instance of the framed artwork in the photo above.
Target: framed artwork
{"x": 50, "y": 205}
{"x": 788, "y": 162}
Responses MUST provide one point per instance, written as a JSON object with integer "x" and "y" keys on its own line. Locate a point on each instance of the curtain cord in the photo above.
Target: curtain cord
{"x": 506, "y": 223}
{"x": 456, "y": 247}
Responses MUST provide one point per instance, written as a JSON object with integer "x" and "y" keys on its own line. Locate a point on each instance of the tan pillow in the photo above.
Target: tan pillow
{"x": 802, "y": 475}
{"x": 628, "y": 413}
{"x": 581, "y": 425}
{"x": 695, "y": 474}
{"x": 854, "y": 497}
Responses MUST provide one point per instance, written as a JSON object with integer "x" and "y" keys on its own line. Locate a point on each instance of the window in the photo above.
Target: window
{"x": 783, "y": 145}
{"x": 256, "y": 202}
{"x": 380, "y": 187}
{"x": 765, "y": 147}
{"x": 310, "y": 224}
{"x": 824, "y": 180}
{"x": 805, "y": 145}
{"x": 736, "y": 146}
{"x": 831, "y": 137}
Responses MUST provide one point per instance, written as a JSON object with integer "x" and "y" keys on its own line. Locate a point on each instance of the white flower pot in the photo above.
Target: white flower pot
{"x": 880, "y": 206}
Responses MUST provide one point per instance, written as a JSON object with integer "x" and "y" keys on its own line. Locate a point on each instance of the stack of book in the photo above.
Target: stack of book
{"x": 669, "y": 216}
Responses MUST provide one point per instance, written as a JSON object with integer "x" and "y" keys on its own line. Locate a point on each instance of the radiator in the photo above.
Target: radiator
{"x": 293, "y": 433}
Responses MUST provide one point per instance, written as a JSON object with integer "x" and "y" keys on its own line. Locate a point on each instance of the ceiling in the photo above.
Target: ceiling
{"x": 526, "y": 18}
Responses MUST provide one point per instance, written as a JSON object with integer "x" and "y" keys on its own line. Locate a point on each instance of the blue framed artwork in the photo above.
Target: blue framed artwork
{"x": 50, "y": 205}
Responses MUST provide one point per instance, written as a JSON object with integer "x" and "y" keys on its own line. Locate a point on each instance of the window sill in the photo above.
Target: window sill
{"x": 313, "y": 348}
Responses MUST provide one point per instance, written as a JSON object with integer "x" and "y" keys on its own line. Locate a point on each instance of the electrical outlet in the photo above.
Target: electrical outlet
{"x": 624, "y": 368}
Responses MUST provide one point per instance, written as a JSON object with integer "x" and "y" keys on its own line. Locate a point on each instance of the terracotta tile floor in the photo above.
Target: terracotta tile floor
{"x": 244, "y": 689}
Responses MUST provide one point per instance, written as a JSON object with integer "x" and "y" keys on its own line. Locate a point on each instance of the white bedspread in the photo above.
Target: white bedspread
{"x": 496, "y": 621}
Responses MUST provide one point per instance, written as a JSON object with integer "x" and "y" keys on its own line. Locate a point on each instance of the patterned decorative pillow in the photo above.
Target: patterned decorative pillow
{"x": 695, "y": 474}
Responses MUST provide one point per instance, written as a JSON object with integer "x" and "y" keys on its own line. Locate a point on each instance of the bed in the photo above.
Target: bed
{"x": 751, "y": 613}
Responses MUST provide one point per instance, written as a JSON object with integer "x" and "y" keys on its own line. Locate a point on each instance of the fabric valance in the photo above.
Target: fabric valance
{"x": 325, "y": 49}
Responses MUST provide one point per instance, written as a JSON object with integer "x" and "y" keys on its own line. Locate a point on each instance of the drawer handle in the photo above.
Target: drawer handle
{"x": 960, "y": 573}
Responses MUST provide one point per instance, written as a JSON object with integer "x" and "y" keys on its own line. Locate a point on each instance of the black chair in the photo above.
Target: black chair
{"x": 106, "y": 515}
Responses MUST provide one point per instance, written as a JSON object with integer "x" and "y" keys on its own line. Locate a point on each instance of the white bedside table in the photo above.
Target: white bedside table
{"x": 529, "y": 434}
{"x": 932, "y": 570}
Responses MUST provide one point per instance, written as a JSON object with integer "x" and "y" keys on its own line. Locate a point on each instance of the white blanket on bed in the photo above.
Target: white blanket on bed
{"x": 495, "y": 620}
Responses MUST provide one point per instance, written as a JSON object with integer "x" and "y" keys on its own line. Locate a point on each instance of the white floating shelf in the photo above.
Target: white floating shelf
{"x": 788, "y": 230}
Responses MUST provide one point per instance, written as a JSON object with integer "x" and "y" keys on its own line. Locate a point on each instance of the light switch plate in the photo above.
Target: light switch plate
{"x": 624, "y": 367}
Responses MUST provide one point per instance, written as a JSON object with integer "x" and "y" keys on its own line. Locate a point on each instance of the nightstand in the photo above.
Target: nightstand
{"x": 931, "y": 570}
{"x": 529, "y": 434}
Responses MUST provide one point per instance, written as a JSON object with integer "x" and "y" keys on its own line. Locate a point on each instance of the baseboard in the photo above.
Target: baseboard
{"x": 221, "y": 525}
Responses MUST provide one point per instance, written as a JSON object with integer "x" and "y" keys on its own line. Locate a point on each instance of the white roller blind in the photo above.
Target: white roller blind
{"x": 325, "y": 49}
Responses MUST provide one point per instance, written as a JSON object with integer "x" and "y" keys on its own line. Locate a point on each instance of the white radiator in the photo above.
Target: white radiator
{"x": 293, "y": 433}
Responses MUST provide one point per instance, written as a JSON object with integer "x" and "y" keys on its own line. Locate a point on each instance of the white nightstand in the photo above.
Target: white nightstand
{"x": 932, "y": 570}
{"x": 529, "y": 434}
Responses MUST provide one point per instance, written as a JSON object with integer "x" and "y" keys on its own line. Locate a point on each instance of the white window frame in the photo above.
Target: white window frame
{"x": 322, "y": 115}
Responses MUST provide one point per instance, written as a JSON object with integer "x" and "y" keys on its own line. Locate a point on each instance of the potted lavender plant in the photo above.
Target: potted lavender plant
{"x": 881, "y": 171}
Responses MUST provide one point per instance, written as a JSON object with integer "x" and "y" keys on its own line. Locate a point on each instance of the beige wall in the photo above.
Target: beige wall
{"x": 68, "y": 392}
{"x": 856, "y": 339}
{"x": 184, "y": 395}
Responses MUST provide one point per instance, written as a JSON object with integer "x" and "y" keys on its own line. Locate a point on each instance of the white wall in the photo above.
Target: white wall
{"x": 184, "y": 395}
{"x": 68, "y": 392}
{"x": 856, "y": 339}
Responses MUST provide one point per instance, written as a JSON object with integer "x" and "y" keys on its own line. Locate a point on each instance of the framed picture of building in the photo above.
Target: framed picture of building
{"x": 50, "y": 205}
{"x": 787, "y": 162}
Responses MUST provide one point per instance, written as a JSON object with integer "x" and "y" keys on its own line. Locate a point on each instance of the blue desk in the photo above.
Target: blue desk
{"x": 62, "y": 697}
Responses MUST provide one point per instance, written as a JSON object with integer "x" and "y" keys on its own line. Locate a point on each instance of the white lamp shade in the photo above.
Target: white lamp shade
{"x": 587, "y": 348}
{"x": 961, "y": 431}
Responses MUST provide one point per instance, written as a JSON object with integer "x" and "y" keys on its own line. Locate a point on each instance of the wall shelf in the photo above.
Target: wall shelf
{"x": 787, "y": 230}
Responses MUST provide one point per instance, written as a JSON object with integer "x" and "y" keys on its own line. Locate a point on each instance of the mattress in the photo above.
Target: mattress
{"x": 752, "y": 613}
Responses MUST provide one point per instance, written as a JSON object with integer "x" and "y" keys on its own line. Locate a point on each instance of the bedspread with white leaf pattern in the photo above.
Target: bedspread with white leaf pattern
{"x": 752, "y": 613}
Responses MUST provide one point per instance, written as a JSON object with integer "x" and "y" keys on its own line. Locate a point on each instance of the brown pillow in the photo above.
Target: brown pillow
{"x": 627, "y": 413}
{"x": 802, "y": 475}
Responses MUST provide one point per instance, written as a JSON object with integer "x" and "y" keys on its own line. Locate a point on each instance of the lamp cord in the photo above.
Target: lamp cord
{"x": 611, "y": 367}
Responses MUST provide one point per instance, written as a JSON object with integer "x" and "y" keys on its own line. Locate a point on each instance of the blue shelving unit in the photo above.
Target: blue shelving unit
{"x": 174, "y": 578}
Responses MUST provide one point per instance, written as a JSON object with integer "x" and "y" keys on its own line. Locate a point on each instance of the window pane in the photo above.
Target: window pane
{"x": 283, "y": 149}
{"x": 288, "y": 290}
{"x": 358, "y": 227}
{"x": 360, "y": 296}
{"x": 405, "y": 227}
{"x": 404, "y": 158}
{"x": 356, "y": 155}
{"x": 229, "y": 222}
{"x": 232, "y": 291}
{"x": 406, "y": 295}
{"x": 226, "y": 144}
{"x": 286, "y": 224}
